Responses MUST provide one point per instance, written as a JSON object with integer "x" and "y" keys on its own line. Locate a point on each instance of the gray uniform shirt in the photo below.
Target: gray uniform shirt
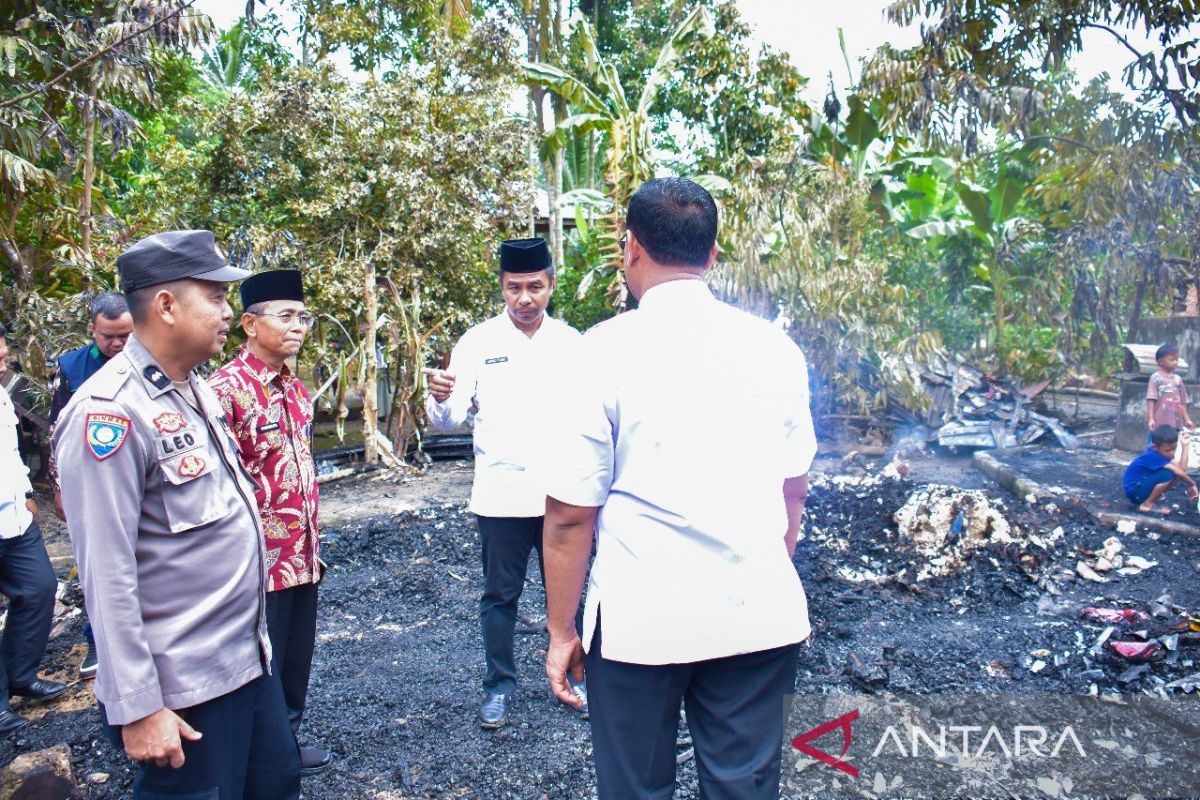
{"x": 167, "y": 538}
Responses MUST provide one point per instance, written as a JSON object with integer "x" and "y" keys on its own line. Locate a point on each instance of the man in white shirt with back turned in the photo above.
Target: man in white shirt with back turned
{"x": 693, "y": 597}
{"x": 508, "y": 369}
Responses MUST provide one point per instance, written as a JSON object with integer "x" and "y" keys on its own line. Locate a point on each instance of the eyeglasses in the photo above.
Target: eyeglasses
{"x": 621, "y": 242}
{"x": 290, "y": 318}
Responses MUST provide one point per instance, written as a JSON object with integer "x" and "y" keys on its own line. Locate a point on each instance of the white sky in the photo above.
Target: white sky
{"x": 807, "y": 31}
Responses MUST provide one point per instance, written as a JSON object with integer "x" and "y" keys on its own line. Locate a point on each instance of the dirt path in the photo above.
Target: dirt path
{"x": 395, "y": 680}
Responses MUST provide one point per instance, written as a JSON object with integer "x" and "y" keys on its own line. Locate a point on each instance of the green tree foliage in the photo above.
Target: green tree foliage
{"x": 598, "y": 103}
{"x": 982, "y": 63}
{"x": 411, "y": 180}
{"x": 78, "y": 74}
{"x": 1110, "y": 181}
{"x": 243, "y": 52}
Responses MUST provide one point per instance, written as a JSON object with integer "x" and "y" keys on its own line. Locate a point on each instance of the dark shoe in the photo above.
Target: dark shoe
{"x": 39, "y": 690}
{"x": 90, "y": 664}
{"x": 10, "y": 720}
{"x": 580, "y": 690}
{"x": 314, "y": 761}
{"x": 494, "y": 711}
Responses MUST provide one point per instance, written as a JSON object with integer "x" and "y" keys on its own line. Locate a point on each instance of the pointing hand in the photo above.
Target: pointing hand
{"x": 441, "y": 383}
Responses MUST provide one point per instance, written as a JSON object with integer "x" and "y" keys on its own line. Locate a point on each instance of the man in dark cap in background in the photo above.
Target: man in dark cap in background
{"x": 109, "y": 325}
{"x": 170, "y": 550}
{"x": 507, "y": 369}
{"x": 271, "y": 415}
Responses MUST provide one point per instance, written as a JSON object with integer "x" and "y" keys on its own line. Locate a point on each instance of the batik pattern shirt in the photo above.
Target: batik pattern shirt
{"x": 271, "y": 415}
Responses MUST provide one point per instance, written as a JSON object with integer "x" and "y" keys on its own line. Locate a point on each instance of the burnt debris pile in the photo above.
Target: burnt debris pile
{"x": 962, "y": 406}
{"x": 927, "y": 588}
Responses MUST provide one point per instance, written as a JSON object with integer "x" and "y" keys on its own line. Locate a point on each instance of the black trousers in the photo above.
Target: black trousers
{"x": 735, "y": 713}
{"x": 248, "y": 751}
{"x": 292, "y": 626}
{"x": 507, "y": 542}
{"x": 27, "y": 580}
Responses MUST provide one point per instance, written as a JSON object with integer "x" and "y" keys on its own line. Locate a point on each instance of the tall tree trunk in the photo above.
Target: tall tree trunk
{"x": 89, "y": 177}
{"x": 535, "y": 95}
{"x": 370, "y": 384}
{"x": 557, "y": 216}
{"x": 12, "y": 253}
{"x": 534, "y": 163}
{"x": 591, "y": 161}
{"x": 560, "y": 114}
{"x": 304, "y": 15}
{"x": 1135, "y": 317}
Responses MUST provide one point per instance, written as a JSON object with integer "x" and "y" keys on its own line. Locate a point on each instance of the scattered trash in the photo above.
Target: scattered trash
{"x": 1126, "y": 526}
{"x": 996, "y": 669}
{"x": 1186, "y": 684}
{"x": 1133, "y": 674}
{"x": 869, "y": 676}
{"x": 896, "y": 468}
{"x": 1100, "y": 640}
{"x": 1087, "y": 572}
{"x": 1137, "y": 651}
{"x": 1110, "y": 558}
{"x": 1114, "y": 615}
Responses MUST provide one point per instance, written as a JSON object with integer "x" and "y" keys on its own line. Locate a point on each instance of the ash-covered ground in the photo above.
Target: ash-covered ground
{"x": 395, "y": 682}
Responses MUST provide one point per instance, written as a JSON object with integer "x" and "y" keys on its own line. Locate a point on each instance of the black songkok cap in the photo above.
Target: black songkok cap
{"x": 278, "y": 284}
{"x": 172, "y": 256}
{"x": 525, "y": 255}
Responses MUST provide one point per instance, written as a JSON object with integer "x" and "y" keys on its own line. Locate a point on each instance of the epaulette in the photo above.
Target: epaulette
{"x": 108, "y": 380}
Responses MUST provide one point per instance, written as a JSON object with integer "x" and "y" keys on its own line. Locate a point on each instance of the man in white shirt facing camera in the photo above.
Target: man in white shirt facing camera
{"x": 693, "y": 599}
{"x": 508, "y": 370}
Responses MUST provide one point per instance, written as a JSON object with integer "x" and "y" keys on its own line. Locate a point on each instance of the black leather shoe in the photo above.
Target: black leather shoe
{"x": 494, "y": 711}
{"x": 314, "y": 760}
{"x": 10, "y": 720}
{"x": 39, "y": 690}
{"x": 90, "y": 664}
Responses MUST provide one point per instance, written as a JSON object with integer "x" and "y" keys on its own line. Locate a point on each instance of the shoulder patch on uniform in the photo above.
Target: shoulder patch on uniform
{"x": 105, "y": 433}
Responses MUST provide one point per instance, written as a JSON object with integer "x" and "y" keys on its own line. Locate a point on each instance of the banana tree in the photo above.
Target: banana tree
{"x": 225, "y": 65}
{"x": 599, "y": 105}
{"x": 845, "y": 145}
{"x": 944, "y": 209}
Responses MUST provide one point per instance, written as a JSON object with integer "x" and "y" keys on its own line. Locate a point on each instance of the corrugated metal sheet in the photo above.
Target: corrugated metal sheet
{"x": 1144, "y": 353}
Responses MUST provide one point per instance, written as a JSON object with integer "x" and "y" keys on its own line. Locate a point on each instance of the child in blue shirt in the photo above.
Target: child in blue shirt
{"x": 1152, "y": 473}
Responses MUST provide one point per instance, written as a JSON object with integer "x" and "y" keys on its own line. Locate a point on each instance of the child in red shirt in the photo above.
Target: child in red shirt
{"x": 1167, "y": 397}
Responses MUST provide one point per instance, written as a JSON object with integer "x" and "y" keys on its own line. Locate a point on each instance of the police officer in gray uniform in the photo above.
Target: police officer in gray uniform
{"x": 169, "y": 545}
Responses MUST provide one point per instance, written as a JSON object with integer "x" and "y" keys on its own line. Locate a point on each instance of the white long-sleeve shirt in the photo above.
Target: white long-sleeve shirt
{"x": 15, "y": 518}
{"x": 513, "y": 382}
{"x": 687, "y": 417}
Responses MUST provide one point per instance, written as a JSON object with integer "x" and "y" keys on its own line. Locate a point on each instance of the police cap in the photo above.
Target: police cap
{"x": 173, "y": 255}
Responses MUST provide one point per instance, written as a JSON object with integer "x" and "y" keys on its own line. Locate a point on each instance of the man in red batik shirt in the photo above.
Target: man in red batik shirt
{"x": 270, "y": 413}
